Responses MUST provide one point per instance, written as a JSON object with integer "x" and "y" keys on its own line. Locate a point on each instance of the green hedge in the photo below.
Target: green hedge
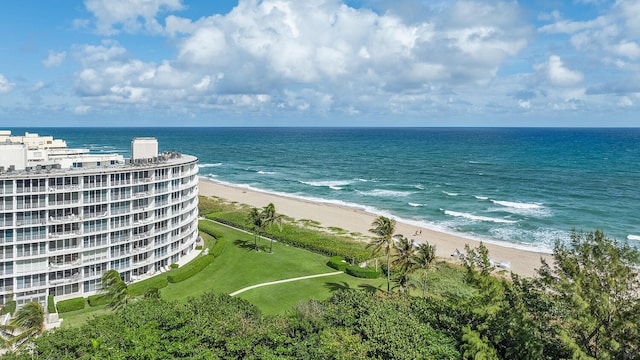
{"x": 141, "y": 287}
{"x": 97, "y": 300}
{"x": 51, "y": 305}
{"x": 366, "y": 273}
{"x": 218, "y": 248}
{"x": 9, "y": 307}
{"x": 209, "y": 228}
{"x": 190, "y": 269}
{"x": 338, "y": 263}
{"x": 71, "y": 305}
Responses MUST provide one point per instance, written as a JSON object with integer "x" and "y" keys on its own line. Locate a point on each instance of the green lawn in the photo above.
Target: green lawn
{"x": 240, "y": 266}
{"x": 278, "y": 298}
{"x": 79, "y": 317}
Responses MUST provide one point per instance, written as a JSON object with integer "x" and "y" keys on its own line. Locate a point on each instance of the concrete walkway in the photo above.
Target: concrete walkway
{"x": 284, "y": 281}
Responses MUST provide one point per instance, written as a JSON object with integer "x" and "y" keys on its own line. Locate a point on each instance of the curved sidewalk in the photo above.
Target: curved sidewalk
{"x": 284, "y": 281}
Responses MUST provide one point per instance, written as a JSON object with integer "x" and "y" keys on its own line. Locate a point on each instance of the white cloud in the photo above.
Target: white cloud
{"x": 37, "y": 87}
{"x": 206, "y": 46}
{"x": 628, "y": 49}
{"x": 525, "y": 104}
{"x": 129, "y": 15}
{"x": 81, "y": 109}
{"x": 558, "y": 74}
{"x": 54, "y": 58}
{"x": 625, "y": 101}
{"x": 5, "y": 85}
{"x": 311, "y": 56}
{"x": 630, "y": 12}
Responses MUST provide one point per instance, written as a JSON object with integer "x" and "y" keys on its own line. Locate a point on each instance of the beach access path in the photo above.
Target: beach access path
{"x": 523, "y": 262}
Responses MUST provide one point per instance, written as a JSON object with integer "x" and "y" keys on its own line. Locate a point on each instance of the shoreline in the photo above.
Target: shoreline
{"x": 523, "y": 262}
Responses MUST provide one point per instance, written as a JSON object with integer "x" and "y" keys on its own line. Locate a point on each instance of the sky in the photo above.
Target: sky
{"x": 319, "y": 63}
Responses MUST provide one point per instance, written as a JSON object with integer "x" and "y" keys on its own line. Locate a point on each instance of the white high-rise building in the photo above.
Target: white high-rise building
{"x": 68, "y": 216}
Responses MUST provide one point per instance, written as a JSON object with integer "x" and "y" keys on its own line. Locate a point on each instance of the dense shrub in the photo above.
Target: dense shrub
{"x": 308, "y": 239}
{"x": 338, "y": 263}
{"x": 51, "y": 305}
{"x": 174, "y": 266}
{"x": 97, "y": 300}
{"x": 366, "y": 273}
{"x": 192, "y": 268}
{"x": 71, "y": 304}
{"x": 9, "y": 307}
{"x": 141, "y": 287}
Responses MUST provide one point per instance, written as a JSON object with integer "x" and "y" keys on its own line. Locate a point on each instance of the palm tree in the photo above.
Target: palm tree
{"x": 115, "y": 290}
{"x": 383, "y": 229}
{"x": 424, "y": 258}
{"x": 29, "y": 319}
{"x": 271, "y": 218}
{"x": 402, "y": 281}
{"x": 404, "y": 253}
{"x": 256, "y": 221}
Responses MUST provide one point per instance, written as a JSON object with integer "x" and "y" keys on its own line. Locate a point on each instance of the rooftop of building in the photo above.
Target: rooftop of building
{"x": 36, "y": 156}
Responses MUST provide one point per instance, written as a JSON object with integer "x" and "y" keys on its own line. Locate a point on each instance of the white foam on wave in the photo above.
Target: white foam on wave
{"x": 209, "y": 165}
{"x": 332, "y": 184}
{"x": 481, "y": 197}
{"x": 450, "y": 193}
{"x": 541, "y": 240}
{"x": 477, "y": 217}
{"x": 384, "y": 193}
{"x": 525, "y": 209}
{"x": 419, "y": 187}
{"x": 633, "y": 237}
{"x": 369, "y": 209}
{"x": 415, "y": 205}
{"x": 517, "y": 205}
{"x": 266, "y": 172}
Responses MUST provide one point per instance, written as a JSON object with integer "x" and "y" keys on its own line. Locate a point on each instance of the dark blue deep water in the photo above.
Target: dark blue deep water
{"x": 526, "y": 187}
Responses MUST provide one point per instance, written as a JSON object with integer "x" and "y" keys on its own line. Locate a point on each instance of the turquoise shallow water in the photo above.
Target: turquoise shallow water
{"x": 524, "y": 187}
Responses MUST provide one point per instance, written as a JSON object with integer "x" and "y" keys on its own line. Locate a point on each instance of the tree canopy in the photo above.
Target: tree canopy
{"x": 585, "y": 305}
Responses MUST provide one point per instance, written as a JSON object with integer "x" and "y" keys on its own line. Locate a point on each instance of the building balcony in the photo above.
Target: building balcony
{"x": 71, "y": 279}
{"x": 65, "y": 218}
{"x": 55, "y": 266}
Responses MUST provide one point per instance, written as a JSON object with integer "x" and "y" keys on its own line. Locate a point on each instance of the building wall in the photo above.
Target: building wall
{"x": 61, "y": 230}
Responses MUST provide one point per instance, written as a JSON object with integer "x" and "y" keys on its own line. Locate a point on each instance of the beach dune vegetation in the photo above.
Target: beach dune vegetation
{"x": 305, "y": 238}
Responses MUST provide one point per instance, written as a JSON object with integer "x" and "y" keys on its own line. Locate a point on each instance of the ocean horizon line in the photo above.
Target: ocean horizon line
{"x": 326, "y": 127}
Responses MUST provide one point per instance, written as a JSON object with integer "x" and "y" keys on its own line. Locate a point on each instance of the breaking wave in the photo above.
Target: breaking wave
{"x": 477, "y": 217}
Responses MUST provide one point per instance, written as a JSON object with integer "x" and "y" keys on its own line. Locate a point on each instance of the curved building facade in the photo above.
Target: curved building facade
{"x": 68, "y": 216}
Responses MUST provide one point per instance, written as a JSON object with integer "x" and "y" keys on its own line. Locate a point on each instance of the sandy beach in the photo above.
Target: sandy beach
{"x": 522, "y": 262}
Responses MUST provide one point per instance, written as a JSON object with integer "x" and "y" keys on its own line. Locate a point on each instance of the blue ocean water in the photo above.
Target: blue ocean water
{"x": 519, "y": 187}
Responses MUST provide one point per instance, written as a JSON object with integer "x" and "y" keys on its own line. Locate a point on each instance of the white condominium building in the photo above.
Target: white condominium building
{"x": 68, "y": 216}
